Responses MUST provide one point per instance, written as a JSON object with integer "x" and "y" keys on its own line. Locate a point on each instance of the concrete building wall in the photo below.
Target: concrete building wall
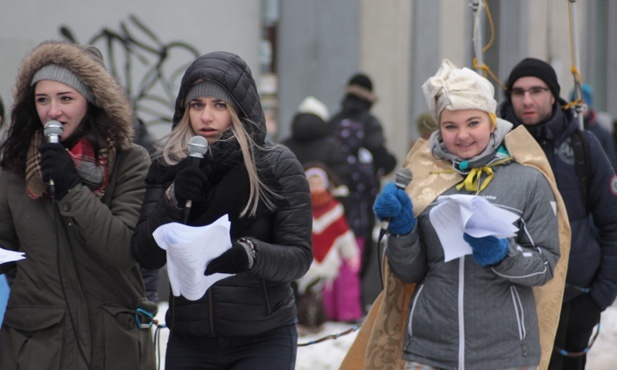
{"x": 206, "y": 25}
{"x": 319, "y": 48}
{"x": 321, "y": 43}
{"x": 385, "y": 57}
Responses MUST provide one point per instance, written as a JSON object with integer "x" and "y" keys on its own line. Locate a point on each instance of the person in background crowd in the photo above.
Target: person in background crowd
{"x": 248, "y": 320}
{"x": 599, "y": 124}
{"x": 486, "y": 308}
{"x": 336, "y": 256}
{"x": 312, "y": 137}
{"x": 533, "y": 101}
{"x": 71, "y": 207}
{"x": 360, "y": 135}
{"x": 425, "y": 125}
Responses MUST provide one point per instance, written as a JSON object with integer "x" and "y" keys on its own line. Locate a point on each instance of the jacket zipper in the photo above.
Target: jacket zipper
{"x": 413, "y": 308}
{"x": 461, "y": 314}
{"x": 519, "y": 313}
{"x": 210, "y": 306}
{"x": 267, "y": 297}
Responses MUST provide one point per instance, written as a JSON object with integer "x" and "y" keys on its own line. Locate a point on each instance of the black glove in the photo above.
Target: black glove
{"x": 190, "y": 183}
{"x": 57, "y": 164}
{"x": 238, "y": 258}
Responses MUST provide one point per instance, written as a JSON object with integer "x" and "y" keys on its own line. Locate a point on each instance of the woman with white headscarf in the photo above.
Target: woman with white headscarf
{"x": 477, "y": 311}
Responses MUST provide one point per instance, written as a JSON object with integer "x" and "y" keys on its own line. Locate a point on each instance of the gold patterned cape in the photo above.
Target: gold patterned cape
{"x": 379, "y": 342}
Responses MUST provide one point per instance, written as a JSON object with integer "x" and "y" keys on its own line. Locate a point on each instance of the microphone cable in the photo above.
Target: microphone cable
{"x": 380, "y": 251}
{"x": 56, "y": 219}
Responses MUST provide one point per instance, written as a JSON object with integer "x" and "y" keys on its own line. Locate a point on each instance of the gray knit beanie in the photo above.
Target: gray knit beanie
{"x": 61, "y": 74}
{"x": 207, "y": 89}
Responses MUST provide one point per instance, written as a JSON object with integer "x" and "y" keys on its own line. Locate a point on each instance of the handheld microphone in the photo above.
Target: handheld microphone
{"x": 198, "y": 146}
{"x": 402, "y": 179}
{"x": 53, "y": 130}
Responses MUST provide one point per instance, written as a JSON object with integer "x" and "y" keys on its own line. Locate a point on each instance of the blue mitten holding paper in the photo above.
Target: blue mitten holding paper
{"x": 488, "y": 250}
{"x": 393, "y": 205}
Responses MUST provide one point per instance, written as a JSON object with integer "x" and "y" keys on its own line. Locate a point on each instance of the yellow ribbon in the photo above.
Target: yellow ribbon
{"x": 473, "y": 178}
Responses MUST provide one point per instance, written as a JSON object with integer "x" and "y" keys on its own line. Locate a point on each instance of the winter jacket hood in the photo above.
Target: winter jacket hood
{"x": 110, "y": 97}
{"x": 307, "y": 126}
{"x": 234, "y": 75}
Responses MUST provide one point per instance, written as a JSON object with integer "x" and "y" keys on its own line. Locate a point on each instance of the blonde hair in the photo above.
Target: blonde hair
{"x": 493, "y": 118}
{"x": 173, "y": 149}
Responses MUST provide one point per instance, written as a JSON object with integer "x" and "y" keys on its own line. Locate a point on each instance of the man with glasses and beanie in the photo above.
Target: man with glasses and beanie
{"x": 589, "y": 191}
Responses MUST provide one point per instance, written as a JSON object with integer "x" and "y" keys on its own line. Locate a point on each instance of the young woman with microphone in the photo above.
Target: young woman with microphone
{"x": 75, "y": 296}
{"x": 497, "y": 305}
{"x": 248, "y": 320}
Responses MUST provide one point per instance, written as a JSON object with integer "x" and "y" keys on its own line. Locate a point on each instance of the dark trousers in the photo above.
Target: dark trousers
{"x": 576, "y": 323}
{"x": 275, "y": 349}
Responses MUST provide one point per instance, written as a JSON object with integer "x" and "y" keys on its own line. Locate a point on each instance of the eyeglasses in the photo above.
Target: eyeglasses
{"x": 535, "y": 92}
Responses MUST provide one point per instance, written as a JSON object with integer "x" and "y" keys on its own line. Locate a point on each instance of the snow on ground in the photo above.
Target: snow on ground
{"x": 328, "y": 354}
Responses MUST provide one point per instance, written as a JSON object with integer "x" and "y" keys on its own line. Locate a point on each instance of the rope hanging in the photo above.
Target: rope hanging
{"x": 577, "y": 103}
{"x": 486, "y": 71}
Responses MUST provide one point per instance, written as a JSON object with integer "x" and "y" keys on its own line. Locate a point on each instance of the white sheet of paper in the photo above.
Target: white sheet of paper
{"x": 457, "y": 214}
{"x": 10, "y": 256}
{"x": 189, "y": 250}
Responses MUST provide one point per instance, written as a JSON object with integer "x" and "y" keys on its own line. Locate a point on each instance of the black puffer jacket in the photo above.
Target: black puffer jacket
{"x": 312, "y": 140}
{"x": 260, "y": 299}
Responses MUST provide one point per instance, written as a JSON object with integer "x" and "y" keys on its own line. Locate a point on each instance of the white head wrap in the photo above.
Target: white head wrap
{"x": 316, "y": 171}
{"x": 312, "y": 105}
{"x": 454, "y": 88}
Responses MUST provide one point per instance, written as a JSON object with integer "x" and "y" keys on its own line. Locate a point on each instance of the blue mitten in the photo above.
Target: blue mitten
{"x": 394, "y": 205}
{"x": 489, "y": 250}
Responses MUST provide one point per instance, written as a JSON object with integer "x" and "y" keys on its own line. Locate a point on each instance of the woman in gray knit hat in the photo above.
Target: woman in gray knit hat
{"x": 247, "y": 320}
{"x": 70, "y": 200}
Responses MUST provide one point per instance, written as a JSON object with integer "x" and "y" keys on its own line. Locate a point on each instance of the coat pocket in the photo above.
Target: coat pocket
{"x": 32, "y": 338}
{"x": 124, "y": 345}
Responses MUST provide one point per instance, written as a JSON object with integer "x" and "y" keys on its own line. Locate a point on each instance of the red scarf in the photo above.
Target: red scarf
{"x": 329, "y": 223}
{"x": 93, "y": 168}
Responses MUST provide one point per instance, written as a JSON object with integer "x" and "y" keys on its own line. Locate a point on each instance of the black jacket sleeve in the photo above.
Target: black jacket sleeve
{"x": 155, "y": 211}
{"x": 289, "y": 254}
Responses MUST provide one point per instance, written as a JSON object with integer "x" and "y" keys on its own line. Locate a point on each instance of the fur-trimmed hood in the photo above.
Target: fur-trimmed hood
{"x": 109, "y": 95}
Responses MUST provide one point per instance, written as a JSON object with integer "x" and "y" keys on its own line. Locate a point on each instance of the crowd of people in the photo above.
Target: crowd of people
{"x": 83, "y": 198}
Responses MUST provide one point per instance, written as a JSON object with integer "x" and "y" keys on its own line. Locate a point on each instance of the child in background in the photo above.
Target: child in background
{"x": 334, "y": 250}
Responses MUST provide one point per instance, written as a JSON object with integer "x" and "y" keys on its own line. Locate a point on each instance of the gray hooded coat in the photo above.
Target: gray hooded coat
{"x": 466, "y": 316}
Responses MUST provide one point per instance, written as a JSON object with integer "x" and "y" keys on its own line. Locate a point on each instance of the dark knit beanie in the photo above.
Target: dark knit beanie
{"x": 209, "y": 89}
{"x": 531, "y": 67}
{"x": 361, "y": 86}
{"x": 361, "y": 79}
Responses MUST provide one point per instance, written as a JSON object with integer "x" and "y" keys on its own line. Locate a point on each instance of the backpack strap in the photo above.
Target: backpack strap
{"x": 580, "y": 147}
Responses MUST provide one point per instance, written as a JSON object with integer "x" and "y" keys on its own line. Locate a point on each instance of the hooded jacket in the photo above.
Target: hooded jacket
{"x": 75, "y": 295}
{"x": 260, "y": 299}
{"x": 593, "y": 254}
{"x": 312, "y": 140}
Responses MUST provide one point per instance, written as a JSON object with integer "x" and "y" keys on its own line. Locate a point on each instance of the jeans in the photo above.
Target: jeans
{"x": 274, "y": 349}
